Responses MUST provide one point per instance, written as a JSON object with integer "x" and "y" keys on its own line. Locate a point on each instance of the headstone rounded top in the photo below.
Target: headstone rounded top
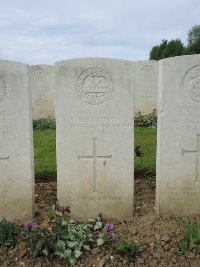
{"x": 2, "y": 89}
{"x": 192, "y": 83}
{"x": 94, "y": 86}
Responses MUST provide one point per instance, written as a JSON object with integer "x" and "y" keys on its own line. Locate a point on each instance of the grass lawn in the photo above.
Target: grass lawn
{"x": 45, "y": 152}
{"x": 146, "y": 139}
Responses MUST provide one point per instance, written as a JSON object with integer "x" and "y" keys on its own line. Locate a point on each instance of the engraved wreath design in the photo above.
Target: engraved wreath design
{"x": 94, "y": 86}
{"x": 192, "y": 83}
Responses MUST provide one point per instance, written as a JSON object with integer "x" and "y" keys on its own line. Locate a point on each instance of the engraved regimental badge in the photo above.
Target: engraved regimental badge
{"x": 147, "y": 71}
{"x": 2, "y": 89}
{"x": 39, "y": 72}
{"x": 192, "y": 83}
{"x": 94, "y": 86}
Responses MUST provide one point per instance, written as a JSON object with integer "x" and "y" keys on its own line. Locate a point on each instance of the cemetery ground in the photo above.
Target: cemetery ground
{"x": 157, "y": 239}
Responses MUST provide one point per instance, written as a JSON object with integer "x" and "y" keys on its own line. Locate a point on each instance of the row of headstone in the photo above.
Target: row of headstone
{"x": 43, "y": 89}
{"x": 95, "y": 152}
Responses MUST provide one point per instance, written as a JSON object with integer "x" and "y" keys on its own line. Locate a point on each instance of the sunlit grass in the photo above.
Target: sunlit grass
{"x": 146, "y": 139}
{"x": 45, "y": 153}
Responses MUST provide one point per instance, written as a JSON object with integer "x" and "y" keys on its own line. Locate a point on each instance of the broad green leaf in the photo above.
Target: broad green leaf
{"x": 86, "y": 247}
{"x": 98, "y": 225}
{"x": 71, "y": 244}
{"x": 68, "y": 253}
{"x": 60, "y": 244}
{"x": 100, "y": 241}
{"x": 45, "y": 252}
{"x": 77, "y": 253}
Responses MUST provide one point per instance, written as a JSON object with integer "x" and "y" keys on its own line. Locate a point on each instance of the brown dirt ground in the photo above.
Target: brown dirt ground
{"x": 159, "y": 236}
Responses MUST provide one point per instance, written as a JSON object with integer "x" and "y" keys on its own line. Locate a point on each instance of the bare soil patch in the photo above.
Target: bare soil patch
{"x": 159, "y": 236}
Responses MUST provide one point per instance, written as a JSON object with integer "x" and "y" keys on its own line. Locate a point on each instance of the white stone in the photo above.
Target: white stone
{"x": 16, "y": 142}
{"x": 43, "y": 91}
{"x": 94, "y": 118}
{"x": 178, "y": 148}
{"x": 146, "y": 86}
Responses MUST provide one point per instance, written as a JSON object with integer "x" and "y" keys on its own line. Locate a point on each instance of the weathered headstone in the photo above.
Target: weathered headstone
{"x": 43, "y": 91}
{"x": 94, "y": 118}
{"x": 178, "y": 148}
{"x": 146, "y": 86}
{"x": 16, "y": 143}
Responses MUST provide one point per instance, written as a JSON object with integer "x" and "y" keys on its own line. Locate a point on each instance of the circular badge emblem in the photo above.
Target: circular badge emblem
{"x": 2, "y": 89}
{"x": 94, "y": 86}
{"x": 39, "y": 72}
{"x": 192, "y": 83}
{"x": 148, "y": 71}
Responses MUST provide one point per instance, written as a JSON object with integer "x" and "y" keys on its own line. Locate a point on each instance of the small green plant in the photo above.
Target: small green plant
{"x": 56, "y": 211}
{"x": 192, "y": 233}
{"x": 128, "y": 250}
{"x": 107, "y": 235}
{"x": 40, "y": 241}
{"x": 44, "y": 124}
{"x": 146, "y": 121}
{"x": 8, "y": 233}
{"x": 65, "y": 238}
{"x": 138, "y": 152}
{"x": 98, "y": 223}
{"x": 71, "y": 239}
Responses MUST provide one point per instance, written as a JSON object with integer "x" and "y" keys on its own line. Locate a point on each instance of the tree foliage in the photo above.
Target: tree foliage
{"x": 193, "y": 40}
{"x": 175, "y": 47}
{"x": 193, "y": 35}
{"x": 167, "y": 49}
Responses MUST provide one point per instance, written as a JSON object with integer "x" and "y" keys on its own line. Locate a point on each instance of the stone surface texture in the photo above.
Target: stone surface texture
{"x": 178, "y": 148}
{"x": 43, "y": 91}
{"x": 146, "y": 86}
{"x": 16, "y": 142}
{"x": 94, "y": 116}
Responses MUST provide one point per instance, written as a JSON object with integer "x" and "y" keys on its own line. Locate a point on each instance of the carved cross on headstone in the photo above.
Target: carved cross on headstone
{"x": 40, "y": 102}
{"x": 197, "y": 153}
{"x": 147, "y": 96}
{"x": 94, "y": 158}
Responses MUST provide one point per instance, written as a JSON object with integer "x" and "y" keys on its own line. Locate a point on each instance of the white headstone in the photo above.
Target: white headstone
{"x": 178, "y": 148}
{"x": 94, "y": 116}
{"x": 146, "y": 86}
{"x": 43, "y": 91}
{"x": 16, "y": 142}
